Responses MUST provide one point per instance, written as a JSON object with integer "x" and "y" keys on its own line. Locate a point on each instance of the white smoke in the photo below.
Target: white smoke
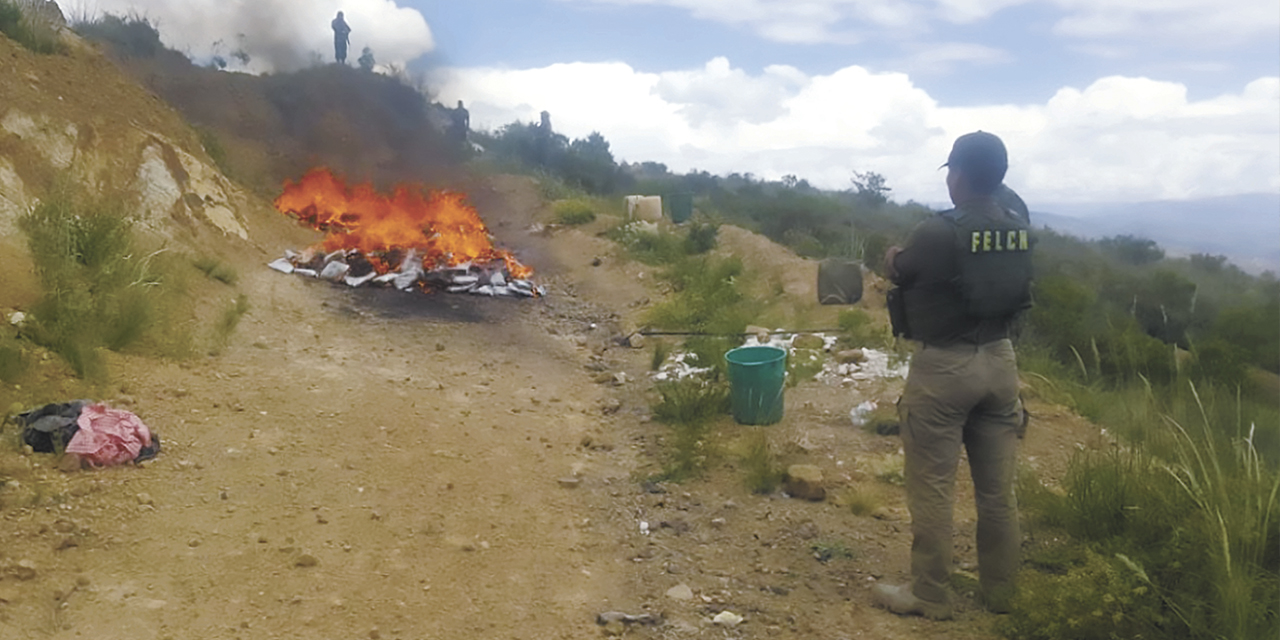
{"x": 277, "y": 35}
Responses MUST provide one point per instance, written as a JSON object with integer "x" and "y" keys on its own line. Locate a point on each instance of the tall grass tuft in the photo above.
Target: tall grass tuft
{"x": 763, "y": 473}
{"x": 1187, "y": 514}
{"x": 100, "y": 290}
{"x": 688, "y": 407}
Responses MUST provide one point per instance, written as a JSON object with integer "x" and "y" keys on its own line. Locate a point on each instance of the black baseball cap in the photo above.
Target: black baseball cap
{"x": 981, "y": 156}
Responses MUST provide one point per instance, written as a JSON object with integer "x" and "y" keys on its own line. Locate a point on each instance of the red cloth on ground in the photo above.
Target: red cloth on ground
{"x": 108, "y": 436}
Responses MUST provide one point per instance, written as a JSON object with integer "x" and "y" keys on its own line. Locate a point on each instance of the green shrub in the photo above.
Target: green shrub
{"x": 762, "y": 472}
{"x": 132, "y": 35}
{"x": 661, "y": 349}
{"x": 1191, "y": 514}
{"x": 700, "y": 238}
{"x": 804, "y": 365}
{"x": 857, "y": 329}
{"x": 825, "y": 551}
{"x": 31, "y": 31}
{"x": 100, "y": 289}
{"x": 705, "y": 297}
{"x": 574, "y": 212}
{"x": 1101, "y": 599}
{"x": 688, "y": 407}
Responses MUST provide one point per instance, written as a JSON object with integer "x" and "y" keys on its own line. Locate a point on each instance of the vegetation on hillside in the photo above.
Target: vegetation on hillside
{"x": 1173, "y": 533}
{"x": 28, "y": 29}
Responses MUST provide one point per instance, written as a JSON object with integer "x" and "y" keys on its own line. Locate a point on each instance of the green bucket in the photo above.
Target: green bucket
{"x": 756, "y": 376}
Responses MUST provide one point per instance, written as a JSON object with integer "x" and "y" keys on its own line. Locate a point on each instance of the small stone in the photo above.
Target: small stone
{"x": 306, "y": 560}
{"x": 717, "y": 523}
{"x": 852, "y": 356}
{"x": 145, "y": 498}
{"x": 805, "y": 481}
{"x": 809, "y": 341}
{"x": 727, "y": 619}
{"x": 611, "y": 406}
{"x": 570, "y": 482}
{"x": 374, "y": 634}
{"x": 615, "y": 628}
{"x": 24, "y": 570}
{"x": 636, "y": 341}
{"x": 680, "y": 592}
{"x": 193, "y": 543}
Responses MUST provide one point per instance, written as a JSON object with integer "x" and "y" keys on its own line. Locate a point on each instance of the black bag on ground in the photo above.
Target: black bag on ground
{"x": 50, "y": 428}
{"x": 839, "y": 281}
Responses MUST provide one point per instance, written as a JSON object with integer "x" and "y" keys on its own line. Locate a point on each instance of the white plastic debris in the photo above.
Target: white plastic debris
{"x": 354, "y": 281}
{"x": 410, "y": 271}
{"x": 17, "y": 318}
{"x": 644, "y": 528}
{"x": 335, "y": 271}
{"x": 862, "y": 412}
{"x": 465, "y": 279}
{"x": 497, "y": 279}
{"x": 311, "y": 273}
{"x": 282, "y": 265}
{"x": 727, "y": 619}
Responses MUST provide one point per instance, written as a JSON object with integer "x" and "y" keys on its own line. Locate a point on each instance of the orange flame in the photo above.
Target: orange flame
{"x": 440, "y": 225}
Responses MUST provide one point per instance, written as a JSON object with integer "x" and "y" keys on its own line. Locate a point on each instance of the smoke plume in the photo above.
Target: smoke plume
{"x": 276, "y": 35}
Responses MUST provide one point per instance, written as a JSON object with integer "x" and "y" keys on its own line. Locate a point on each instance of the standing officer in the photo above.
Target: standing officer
{"x": 341, "y": 38}
{"x": 963, "y": 277}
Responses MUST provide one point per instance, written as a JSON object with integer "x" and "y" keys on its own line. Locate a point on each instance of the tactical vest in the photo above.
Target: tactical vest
{"x": 994, "y": 257}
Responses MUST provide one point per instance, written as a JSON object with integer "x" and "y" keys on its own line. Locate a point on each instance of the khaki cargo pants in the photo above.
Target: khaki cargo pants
{"x": 964, "y": 394}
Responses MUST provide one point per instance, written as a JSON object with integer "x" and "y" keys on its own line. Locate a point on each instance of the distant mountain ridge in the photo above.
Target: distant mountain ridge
{"x": 1245, "y": 228}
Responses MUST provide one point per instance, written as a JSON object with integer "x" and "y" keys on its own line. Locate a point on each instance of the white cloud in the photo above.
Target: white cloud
{"x": 1202, "y": 22}
{"x": 1119, "y": 139}
{"x": 279, "y": 35}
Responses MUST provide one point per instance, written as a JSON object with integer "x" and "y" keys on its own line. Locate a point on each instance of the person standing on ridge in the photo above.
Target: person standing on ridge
{"x": 963, "y": 278}
{"x": 341, "y": 38}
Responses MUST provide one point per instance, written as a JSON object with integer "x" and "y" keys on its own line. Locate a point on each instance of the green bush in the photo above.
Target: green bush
{"x": 1191, "y": 514}
{"x": 763, "y": 473}
{"x": 705, "y": 298}
{"x": 132, "y": 35}
{"x": 700, "y": 238}
{"x": 574, "y": 212}
{"x": 30, "y": 31}
{"x": 688, "y": 407}
{"x": 100, "y": 289}
{"x": 1101, "y": 599}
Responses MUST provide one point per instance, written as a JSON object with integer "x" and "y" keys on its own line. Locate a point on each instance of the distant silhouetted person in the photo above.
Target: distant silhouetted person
{"x": 366, "y": 60}
{"x": 542, "y": 141}
{"x": 341, "y": 38}
{"x": 460, "y": 123}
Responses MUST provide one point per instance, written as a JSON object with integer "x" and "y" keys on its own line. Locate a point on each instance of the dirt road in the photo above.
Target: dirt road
{"x": 374, "y": 465}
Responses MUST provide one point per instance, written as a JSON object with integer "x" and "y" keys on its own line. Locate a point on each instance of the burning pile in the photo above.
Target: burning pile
{"x": 432, "y": 241}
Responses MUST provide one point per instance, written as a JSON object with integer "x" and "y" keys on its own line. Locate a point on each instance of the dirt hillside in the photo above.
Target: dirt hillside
{"x": 368, "y": 464}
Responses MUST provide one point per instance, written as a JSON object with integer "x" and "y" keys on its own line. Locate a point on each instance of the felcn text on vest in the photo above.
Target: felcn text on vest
{"x": 987, "y": 240}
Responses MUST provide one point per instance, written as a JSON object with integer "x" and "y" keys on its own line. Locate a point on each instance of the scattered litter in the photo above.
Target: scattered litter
{"x": 679, "y": 367}
{"x": 609, "y": 617}
{"x": 862, "y": 412}
{"x": 355, "y": 269}
{"x": 644, "y": 528}
{"x": 727, "y": 619}
{"x": 98, "y": 434}
{"x": 17, "y": 318}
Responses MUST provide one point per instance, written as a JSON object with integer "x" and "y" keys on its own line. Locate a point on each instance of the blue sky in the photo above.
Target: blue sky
{"x": 1098, "y": 100}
